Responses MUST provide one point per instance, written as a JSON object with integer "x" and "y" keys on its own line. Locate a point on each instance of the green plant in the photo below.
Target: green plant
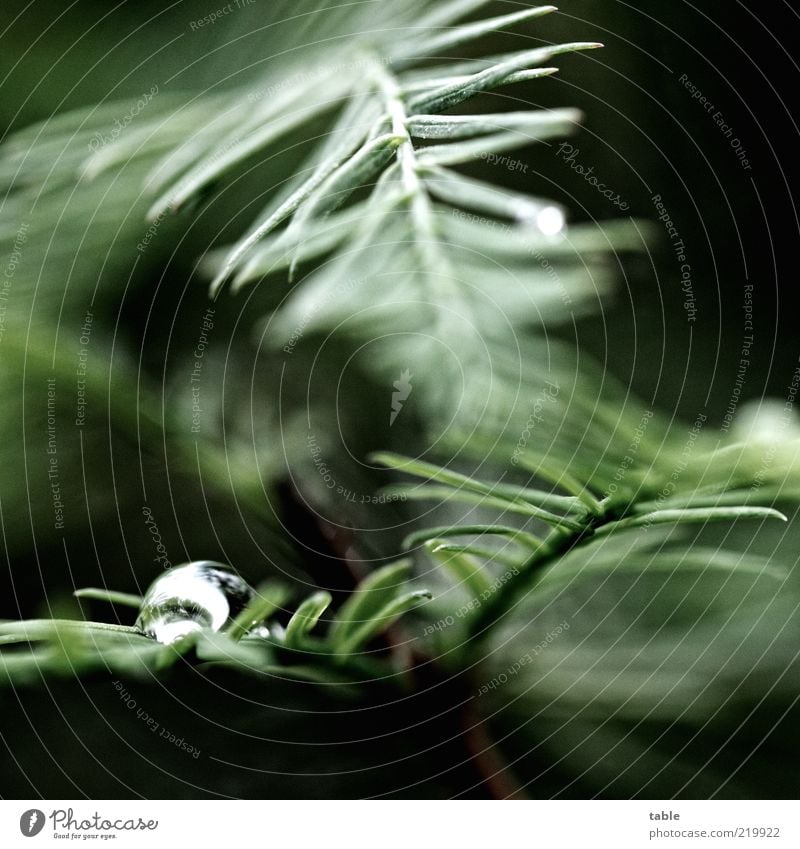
{"x": 376, "y": 239}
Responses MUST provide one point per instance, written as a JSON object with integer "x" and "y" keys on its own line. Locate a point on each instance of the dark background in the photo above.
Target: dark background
{"x": 644, "y": 134}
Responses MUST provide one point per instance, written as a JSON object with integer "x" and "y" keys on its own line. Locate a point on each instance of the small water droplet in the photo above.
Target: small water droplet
{"x": 550, "y": 221}
{"x": 188, "y": 598}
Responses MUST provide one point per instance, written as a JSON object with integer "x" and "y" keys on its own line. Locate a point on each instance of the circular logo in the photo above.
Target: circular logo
{"x": 31, "y": 822}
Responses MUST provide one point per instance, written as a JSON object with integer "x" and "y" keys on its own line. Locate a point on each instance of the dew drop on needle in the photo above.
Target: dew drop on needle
{"x": 188, "y": 598}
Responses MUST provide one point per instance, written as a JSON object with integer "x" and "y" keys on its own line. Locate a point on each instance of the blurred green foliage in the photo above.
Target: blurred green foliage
{"x": 677, "y": 673}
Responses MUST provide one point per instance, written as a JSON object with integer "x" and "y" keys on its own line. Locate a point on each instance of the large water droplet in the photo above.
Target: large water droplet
{"x": 187, "y": 598}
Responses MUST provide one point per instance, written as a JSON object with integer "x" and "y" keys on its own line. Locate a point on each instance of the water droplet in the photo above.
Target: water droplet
{"x": 550, "y": 221}
{"x": 188, "y": 598}
{"x": 548, "y": 218}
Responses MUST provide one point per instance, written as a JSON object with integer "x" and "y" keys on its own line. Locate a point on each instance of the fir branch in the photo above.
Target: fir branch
{"x": 600, "y": 519}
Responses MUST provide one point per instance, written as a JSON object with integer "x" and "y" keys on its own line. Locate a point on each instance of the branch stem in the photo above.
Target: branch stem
{"x": 555, "y": 546}
{"x": 415, "y": 190}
